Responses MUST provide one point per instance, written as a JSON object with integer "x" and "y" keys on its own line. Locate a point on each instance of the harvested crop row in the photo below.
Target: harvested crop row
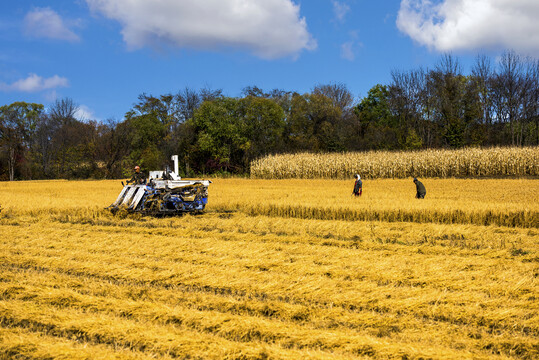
{"x": 21, "y": 343}
{"x": 440, "y": 238}
{"x": 174, "y": 340}
{"x": 252, "y": 270}
{"x": 230, "y": 283}
{"x": 235, "y": 328}
{"x": 171, "y": 306}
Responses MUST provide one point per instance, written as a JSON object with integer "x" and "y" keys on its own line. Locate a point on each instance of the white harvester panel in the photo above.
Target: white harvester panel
{"x": 130, "y": 193}
{"x": 121, "y": 196}
{"x": 139, "y": 193}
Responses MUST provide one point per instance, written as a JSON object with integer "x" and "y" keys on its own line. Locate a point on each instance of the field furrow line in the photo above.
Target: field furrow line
{"x": 109, "y": 330}
{"x": 24, "y": 344}
{"x": 487, "y": 320}
{"x": 174, "y": 339}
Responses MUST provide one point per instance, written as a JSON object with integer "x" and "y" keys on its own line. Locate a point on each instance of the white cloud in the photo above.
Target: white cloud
{"x": 267, "y": 28}
{"x": 472, "y": 24}
{"x": 347, "y": 51}
{"x": 35, "y": 83}
{"x": 84, "y": 113}
{"x": 50, "y": 95}
{"x": 340, "y": 9}
{"x": 46, "y": 23}
{"x": 350, "y": 47}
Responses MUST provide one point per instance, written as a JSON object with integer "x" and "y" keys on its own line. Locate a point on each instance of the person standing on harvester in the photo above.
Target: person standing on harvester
{"x": 358, "y": 186}
{"x": 420, "y": 188}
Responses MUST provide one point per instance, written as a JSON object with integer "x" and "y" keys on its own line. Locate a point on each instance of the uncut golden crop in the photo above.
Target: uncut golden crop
{"x": 471, "y": 162}
{"x": 509, "y": 202}
{"x": 472, "y": 201}
{"x": 274, "y": 269}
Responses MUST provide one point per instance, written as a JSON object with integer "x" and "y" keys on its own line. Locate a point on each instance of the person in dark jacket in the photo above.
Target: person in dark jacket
{"x": 138, "y": 177}
{"x": 420, "y": 188}
{"x": 358, "y": 186}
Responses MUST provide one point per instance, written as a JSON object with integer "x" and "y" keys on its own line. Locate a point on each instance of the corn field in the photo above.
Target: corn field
{"x": 470, "y": 162}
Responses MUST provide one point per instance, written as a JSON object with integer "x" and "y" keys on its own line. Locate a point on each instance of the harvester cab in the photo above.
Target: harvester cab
{"x": 164, "y": 193}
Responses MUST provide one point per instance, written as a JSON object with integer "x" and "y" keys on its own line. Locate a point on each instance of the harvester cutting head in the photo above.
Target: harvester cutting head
{"x": 163, "y": 193}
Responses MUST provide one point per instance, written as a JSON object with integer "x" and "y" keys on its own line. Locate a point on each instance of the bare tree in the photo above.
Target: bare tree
{"x": 530, "y": 101}
{"x": 449, "y": 65}
{"x": 254, "y": 91}
{"x": 532, "y": 110}
{"x": 63, "y": 110}
{"x": 406, "y": 95}
{"x": 508, "y": 89}
{"x": 46, "y": 128}
{"x": 208, "y": 94}
{"x": 482, "y": 73}
{"x": 187, "y": 101}
{"x": 450, "y": 89}
{"x": 112, "y": 146}
{"x": 338, "y": 93}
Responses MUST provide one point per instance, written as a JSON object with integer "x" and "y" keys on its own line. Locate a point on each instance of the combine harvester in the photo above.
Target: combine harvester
{"x": 164, "y": 193}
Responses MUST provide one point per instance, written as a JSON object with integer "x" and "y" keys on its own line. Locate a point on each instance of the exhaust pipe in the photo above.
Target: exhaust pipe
{"x": 175, "y": 159}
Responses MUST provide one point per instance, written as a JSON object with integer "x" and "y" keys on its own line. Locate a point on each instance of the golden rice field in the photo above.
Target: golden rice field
{"x": 274, "y": 269}
{"x": 470, "y": 162}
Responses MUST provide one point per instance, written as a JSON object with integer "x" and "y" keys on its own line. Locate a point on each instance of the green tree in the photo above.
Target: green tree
{"x": 17, "y": 125}
{"x": 229, "y": 132}
{"x": 377, "y": 127}
{"x": 150, "y": 126}
{"x": 264, "y": 124}
{"x": 374, "y": 110}
{"x": 313, "y": 122}
{"x": 413, "y": 141}
{"x": 145, "y": 136}
{"x": 222, "y": 135}
{"x": 342, "y": 134}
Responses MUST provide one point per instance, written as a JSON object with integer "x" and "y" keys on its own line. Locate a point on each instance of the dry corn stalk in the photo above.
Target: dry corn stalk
{"x": 469, "y": 162}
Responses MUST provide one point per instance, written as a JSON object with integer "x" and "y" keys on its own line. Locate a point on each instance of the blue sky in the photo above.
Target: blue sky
{"x": 104, "y": 53}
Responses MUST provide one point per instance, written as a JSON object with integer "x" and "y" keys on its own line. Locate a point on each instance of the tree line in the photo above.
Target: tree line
{"x": 497, "y": 104}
